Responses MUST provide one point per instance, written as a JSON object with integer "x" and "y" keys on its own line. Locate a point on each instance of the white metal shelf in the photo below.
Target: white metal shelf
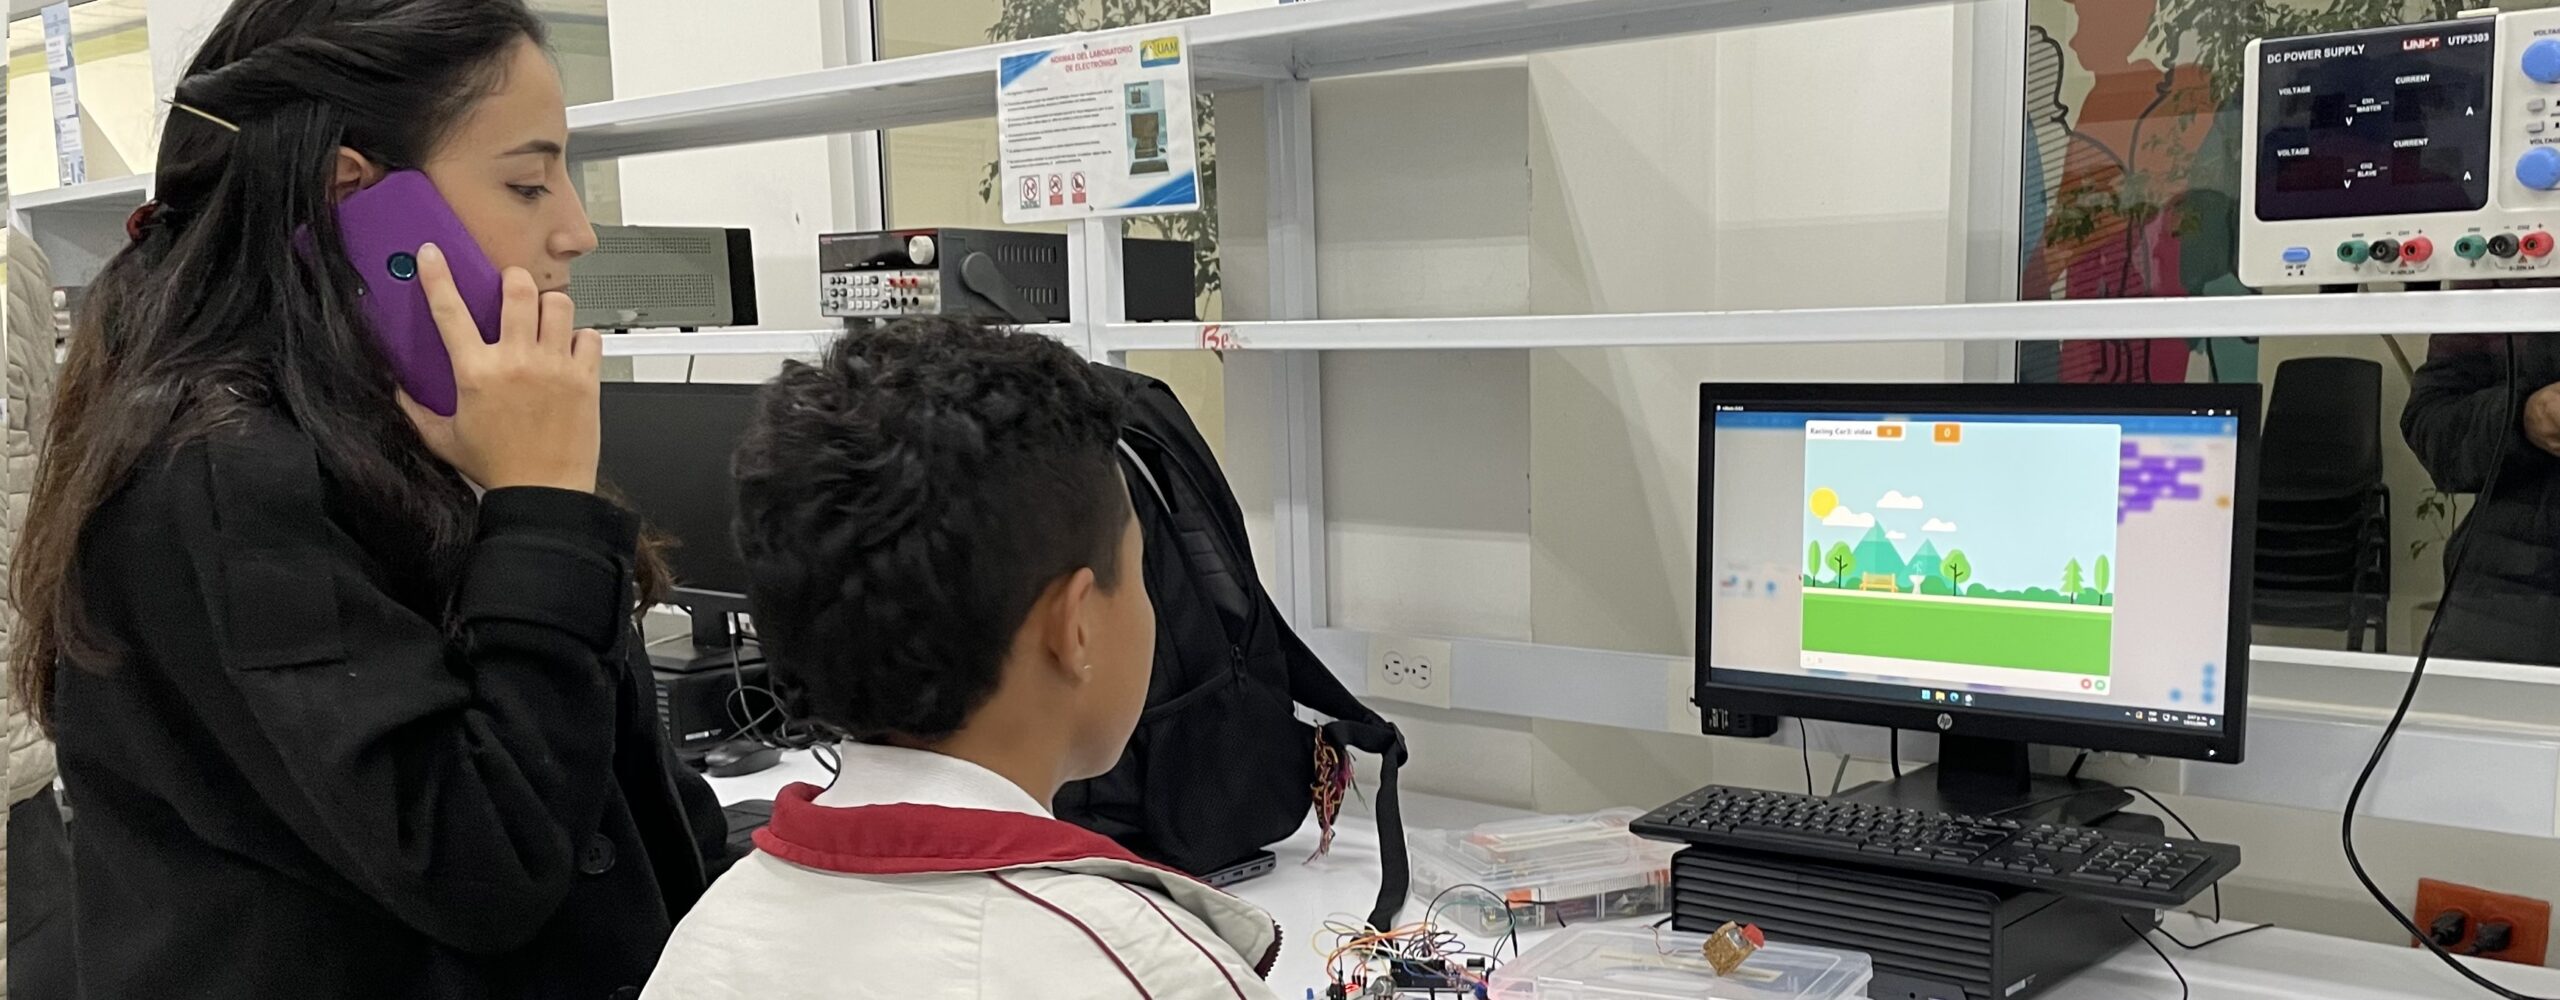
{"x": 118, "y": 196}
{"x": 735, "y": 342}
{"x": 1240, "y": 49}
{"x": 81, "y": 225}
{"x": 1245, "y": 48}
{"x": 2498, "y": 311}
{"x": 666, "y": 344}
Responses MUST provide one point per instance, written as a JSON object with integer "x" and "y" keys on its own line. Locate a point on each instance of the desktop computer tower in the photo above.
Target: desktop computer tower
{"x": 1931, "y": 940}
{"x": 698, "y": 707}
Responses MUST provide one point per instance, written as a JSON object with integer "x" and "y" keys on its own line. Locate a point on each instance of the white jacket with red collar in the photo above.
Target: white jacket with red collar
{"x": 918, "y": 875}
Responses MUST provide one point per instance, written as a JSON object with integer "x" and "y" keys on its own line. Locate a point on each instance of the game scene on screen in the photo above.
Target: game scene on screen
{"x": 2017, "y": 596}
{"x": 1964, "y": 556}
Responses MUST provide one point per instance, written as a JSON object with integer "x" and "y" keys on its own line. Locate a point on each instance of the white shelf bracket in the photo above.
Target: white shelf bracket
{"x": 1298, "y": 524}
{"x": 1094, "y": 297}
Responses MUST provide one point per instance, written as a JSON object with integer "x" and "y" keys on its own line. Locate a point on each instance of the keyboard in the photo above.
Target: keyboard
{"x": 2067, "y": 860}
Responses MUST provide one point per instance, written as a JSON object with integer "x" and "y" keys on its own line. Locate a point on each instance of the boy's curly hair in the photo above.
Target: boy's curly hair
{"x": 904, "y": 501}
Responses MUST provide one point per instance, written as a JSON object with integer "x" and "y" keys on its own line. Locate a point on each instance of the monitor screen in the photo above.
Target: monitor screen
{"x": 2387, "y": 122}
{"x": 666, "y": 450}
{"x": 1975, "y": 554}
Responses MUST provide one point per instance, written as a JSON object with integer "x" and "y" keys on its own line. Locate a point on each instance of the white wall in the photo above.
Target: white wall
{"x": 177, "y": 30}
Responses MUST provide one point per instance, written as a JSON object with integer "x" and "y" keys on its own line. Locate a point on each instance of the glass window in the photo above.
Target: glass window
{"x": 2132, "y": 188}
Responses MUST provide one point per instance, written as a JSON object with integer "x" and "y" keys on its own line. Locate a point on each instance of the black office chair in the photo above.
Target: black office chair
{"x": 2323, "y": 557}
{"x": 2322, "y": 440}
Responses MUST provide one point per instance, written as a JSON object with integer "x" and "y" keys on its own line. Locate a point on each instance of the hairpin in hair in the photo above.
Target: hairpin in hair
{"x": 204, "y": 114}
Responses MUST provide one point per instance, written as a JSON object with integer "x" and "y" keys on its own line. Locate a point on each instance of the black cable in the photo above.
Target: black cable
{"x": 1897, "y": 752}
{"x": 2418, "y": 674}
{"x": 785, "y": 733}
{"x": 2138, "y": 935}
{"x": 689, "y": 359}
{"x": 1804, "y": 742}
{"x": 2076, "y": 762}
{"x": 1840, "y": 774}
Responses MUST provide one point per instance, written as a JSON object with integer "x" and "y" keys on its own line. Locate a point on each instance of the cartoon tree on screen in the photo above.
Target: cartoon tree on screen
{"x": 1841, "y": 561}
{"x": 2101, "y": 578}
{"x": 1957, "y": 568}
{"x": 2071, "y": 580}
{"x": 1813, "y": 560}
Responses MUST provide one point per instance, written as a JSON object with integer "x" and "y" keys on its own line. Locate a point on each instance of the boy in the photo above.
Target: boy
{"x": 944, "y": 567}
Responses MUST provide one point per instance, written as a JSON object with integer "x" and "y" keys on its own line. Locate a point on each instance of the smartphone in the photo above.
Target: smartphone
{"x": 382, "y": 227}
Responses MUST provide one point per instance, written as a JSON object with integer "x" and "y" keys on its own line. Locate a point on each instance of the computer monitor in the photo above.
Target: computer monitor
{"x": 1995, "y": 563}
{"x": 666, "y": 451}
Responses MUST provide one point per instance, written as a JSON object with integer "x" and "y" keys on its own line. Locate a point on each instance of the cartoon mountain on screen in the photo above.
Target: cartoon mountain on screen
{"x": 1925, "y": 562}
{"x": 1876, "y": 555}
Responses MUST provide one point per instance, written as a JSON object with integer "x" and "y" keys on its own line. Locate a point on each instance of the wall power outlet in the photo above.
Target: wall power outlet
{"x": 1406, "y": 668}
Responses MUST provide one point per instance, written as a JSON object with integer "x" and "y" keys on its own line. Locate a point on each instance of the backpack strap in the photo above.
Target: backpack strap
{"x": 1312, "y": 684}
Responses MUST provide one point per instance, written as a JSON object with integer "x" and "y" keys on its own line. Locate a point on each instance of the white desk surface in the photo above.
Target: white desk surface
{"x": 2274, "y": 964}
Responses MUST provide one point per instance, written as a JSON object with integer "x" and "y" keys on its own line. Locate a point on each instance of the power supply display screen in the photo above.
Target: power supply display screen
{"x": 2386, "y": 122}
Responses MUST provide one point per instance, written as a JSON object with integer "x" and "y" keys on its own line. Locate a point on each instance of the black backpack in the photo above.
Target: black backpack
{"x": 1220, "y": 766}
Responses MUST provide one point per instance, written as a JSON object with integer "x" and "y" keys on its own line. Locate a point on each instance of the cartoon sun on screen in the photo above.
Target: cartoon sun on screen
{"x": 1824, "y": 500}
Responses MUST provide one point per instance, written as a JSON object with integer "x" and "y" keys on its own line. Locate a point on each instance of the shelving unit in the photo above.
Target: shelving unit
{"x": 81, "y": 226}
{"x": 1275, "y": 53}
{"x": 1232, "y": 51}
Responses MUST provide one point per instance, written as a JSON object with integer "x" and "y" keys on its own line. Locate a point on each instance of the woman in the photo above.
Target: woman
{"x": 332, "y": 725}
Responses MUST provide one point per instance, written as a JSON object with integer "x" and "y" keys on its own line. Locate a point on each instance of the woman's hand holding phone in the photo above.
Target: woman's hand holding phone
{"x": 526, "y": 410}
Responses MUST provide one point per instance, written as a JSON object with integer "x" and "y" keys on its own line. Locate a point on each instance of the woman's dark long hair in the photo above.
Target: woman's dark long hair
{"x": 222, "y": 307}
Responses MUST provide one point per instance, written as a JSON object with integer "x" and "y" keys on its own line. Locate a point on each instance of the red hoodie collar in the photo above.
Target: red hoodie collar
{"x": 910, "y": 839}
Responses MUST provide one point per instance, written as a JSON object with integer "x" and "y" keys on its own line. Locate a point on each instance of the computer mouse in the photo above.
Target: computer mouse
{"x": 737, "y": 757}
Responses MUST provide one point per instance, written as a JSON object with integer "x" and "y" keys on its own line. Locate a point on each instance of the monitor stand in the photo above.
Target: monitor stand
{"x": 1979, "y": 775}
{"x": 712, "y": 646}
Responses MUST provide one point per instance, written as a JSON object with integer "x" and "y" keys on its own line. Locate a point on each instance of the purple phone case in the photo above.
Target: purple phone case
{"x": 383, "y": 226}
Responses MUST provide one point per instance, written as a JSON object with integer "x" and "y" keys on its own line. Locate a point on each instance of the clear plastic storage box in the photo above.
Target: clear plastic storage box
{"x": 1546, "y": 872}
{"x": 1632, "y": 963}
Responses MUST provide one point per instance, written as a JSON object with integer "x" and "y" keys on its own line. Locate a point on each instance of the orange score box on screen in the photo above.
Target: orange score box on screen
{"x": 1888, "y": 432}
{"x": 1947, "y": 433}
